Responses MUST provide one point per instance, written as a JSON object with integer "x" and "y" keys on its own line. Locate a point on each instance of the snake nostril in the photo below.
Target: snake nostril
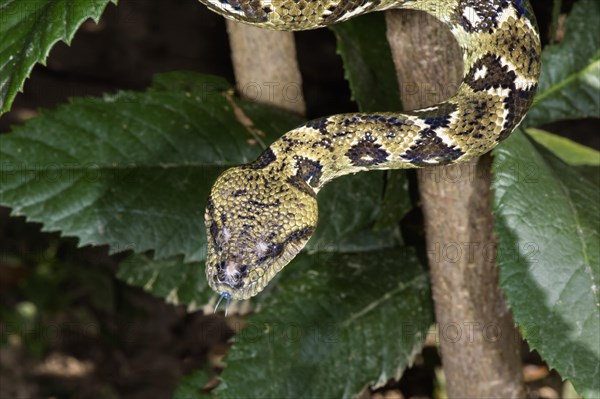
{"x": 219, "y": 276}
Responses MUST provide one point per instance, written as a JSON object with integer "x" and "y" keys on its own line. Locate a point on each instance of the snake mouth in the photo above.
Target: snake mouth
{"x": 258, "y": 276}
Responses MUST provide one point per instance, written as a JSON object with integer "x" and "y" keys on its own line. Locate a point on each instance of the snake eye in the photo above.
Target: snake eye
{"x": 275, "y": 250}
{"x": 272, "y": 252}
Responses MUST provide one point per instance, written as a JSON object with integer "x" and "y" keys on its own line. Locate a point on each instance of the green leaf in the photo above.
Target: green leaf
{"x": 190, "y": 386}
{"x": 569, "y": 86}
{"x": 336, "y": 324}
{"x": 396, "y": 200}
{"x": 131, "y": 170}
{"x": 569, "y": 151}
{"x": 178, "y": 282}
{"x": 368, "y": 64}
{"x": 584, "y": 160}
{"x": 547, "y": 221}
{"x": 29, "y": 29}
{"x": 338, "y": 201}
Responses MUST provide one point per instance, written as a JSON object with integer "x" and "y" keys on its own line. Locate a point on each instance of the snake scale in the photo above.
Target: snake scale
{"x": 260, "y": 215}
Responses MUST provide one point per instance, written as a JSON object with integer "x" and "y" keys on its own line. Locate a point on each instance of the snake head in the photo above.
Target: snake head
{"x": 257, "y": 221}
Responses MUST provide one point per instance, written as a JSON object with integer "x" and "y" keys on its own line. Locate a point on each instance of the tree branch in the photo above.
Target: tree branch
{"x": 479, "y": 343}
{"x": 265, "y": 66}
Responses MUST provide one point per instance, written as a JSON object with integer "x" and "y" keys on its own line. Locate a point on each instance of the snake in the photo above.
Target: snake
{"x": 261, "y": 214}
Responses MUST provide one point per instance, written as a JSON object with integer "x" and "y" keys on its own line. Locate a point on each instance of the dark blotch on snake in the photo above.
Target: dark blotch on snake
{"x": 264, "y": 160}
{"x": 308, "y": 170}
{"x": 496, "y": 76}
{"x": 301, "y": 185}
{"x": 486, "y": 11}
{"x": 517, "y": 102}
{"x": 367, "y": 152}
{"x": 430, "y": 147}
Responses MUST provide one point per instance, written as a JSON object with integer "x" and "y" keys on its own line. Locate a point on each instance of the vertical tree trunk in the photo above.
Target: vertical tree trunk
{"x": 479, "y": 343}
{"x": 265, "y": 66}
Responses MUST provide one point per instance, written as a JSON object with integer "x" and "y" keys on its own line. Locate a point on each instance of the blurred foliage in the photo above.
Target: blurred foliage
{"x": 29, "y": 29}
{"x": 51, "y": 288}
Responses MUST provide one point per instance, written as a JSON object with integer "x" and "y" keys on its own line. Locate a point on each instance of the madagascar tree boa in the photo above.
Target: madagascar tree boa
{"x": 260, "y": 215}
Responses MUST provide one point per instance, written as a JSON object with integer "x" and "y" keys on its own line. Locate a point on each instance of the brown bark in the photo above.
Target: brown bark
{"x": 265, "y": 66}
{"x": 479, "y": 343}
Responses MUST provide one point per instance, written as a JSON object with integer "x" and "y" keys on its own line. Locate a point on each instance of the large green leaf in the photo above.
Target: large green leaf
{"x": 335, "y": 324}
{"x": 569, "y": 85}
{"x": 130, "y": 170}
{"x": 338, "y": 218}
{"x": 133, "y": 170}
{"x": 396, "y": 200}
{"x": 180, "y": 283}
{"x": 547, "y": 220}
{"x": 29, "y": 29}
{"x": 584, "y": 160}
{"x": 569, "y": 151}
{"x": 368, "y": 65}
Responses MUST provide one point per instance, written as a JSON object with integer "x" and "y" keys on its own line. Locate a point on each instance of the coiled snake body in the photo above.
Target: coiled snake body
{"x": 260, "y": 215}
